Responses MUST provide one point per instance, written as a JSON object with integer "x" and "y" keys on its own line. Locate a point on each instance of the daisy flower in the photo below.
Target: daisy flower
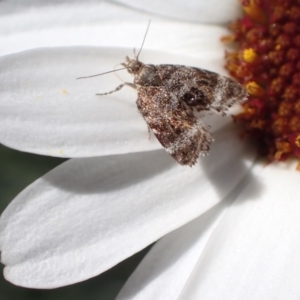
{"x": 226, "y": 228}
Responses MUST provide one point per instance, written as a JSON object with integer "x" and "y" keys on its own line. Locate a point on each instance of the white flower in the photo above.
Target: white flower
{"x": 238, "y": 235}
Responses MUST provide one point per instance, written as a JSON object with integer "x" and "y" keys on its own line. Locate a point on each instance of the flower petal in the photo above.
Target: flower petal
{"x": 45, "y": 110}
{"x": 89, "y": 214}
{"x": 35, "y": 15}
{"x": 176, "y": 37}
{"x": 164, "y": 271}
{"x": 23, "y": 16}
{"x": 97, "y": 23}
{"x": 254, "y": 251}
{"x": 213, "y": 11}
{"x": 166, "y": 268}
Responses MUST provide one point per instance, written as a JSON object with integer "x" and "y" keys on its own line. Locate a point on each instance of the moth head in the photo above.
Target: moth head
{"x": 133, "y": 66}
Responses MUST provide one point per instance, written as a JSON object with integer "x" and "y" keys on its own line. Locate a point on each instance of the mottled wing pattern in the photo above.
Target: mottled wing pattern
{"x": 182, "y": 135}
{"x": 201, "y": 89}
{"x": 168, "y": 97}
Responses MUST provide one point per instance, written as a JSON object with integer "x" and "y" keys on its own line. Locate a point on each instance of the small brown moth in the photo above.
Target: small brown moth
{"x": 170, "y": 95}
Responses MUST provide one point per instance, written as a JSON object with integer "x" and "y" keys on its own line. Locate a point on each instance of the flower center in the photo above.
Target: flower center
{"x": 267, "y": 63}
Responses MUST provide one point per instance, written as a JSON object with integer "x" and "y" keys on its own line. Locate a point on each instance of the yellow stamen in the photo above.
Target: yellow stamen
{"x": 249, "y": 55}
{"x": 254, "y": 89}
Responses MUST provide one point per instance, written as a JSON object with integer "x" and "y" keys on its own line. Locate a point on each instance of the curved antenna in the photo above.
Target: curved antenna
{"x": 101, "y": 73}
{"x": 137, "y": 57}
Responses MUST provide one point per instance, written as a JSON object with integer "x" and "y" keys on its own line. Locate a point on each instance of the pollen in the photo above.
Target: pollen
{"x": 266, "y": 61}
{"x": 249, "y": 55}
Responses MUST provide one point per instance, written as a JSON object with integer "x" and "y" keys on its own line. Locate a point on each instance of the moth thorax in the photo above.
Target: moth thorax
{"x": 148, "y": 76}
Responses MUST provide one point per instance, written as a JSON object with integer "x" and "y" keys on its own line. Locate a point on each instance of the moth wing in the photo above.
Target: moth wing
{"x": 222, "y": 91}
{"x": 182, "y": 135}
{"x": 202, "y": 89}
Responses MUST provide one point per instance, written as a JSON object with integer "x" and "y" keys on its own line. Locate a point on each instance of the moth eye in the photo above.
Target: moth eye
{"x": 188, "y": 97}
{"x": 194, "y": 97}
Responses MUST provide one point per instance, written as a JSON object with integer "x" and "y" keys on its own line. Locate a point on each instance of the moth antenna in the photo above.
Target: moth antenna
{"x": 101, "y": 73}
{"x": 137, "y": 57}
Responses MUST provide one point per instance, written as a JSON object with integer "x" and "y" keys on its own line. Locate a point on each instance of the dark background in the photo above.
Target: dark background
{"x": 18, "y": 170}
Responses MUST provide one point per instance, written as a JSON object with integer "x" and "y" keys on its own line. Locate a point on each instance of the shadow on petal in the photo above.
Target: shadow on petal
{"x": 109, "y": 173}
{"x": 230, "y": 158}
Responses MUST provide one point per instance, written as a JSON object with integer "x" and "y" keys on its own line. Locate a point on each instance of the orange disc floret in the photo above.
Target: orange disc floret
{"x": 254, "y": 10}
{"x": 267, "y": 63}
{"x": 254, "y": 89}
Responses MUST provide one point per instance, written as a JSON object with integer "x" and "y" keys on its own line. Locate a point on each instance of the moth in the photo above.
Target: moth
{"x": 169, "y": 98}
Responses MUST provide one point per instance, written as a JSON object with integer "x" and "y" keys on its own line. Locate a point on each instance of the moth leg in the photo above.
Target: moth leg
{"x": 118, "y": 88}
{"x": 131, "y": 85}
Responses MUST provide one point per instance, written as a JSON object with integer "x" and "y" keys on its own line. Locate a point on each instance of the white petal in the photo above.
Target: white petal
{"x": 89, "y": 214}
{"x": 177, "y": 37}
{"x": 45, "y": 110}
{"x": 25, "y": 27}
{"x": 202, "y": 11}
{"x": 38, "y": 15}
{"x": 254, "y": 252}
{"x": 163, "y": 273}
